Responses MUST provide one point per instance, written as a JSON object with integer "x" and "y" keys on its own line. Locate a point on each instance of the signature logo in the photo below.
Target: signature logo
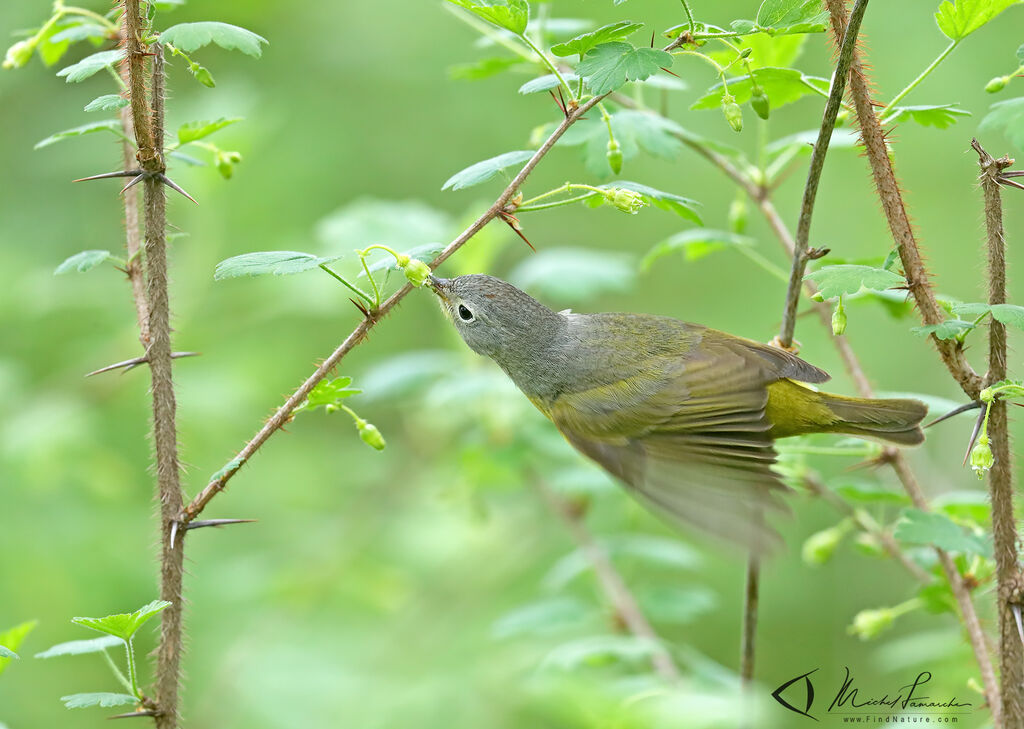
{"x": 910, "y": 698}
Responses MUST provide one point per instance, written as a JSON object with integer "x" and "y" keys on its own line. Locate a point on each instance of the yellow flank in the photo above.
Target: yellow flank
{"x": 795, "y": 410}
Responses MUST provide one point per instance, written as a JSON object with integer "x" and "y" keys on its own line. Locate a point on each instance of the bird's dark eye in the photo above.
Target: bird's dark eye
{"x": 464, "y": 313}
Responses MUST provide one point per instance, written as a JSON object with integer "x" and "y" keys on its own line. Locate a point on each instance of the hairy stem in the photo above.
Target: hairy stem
{"x": 614, "y": 587}
{"x": 1000, "y": 477}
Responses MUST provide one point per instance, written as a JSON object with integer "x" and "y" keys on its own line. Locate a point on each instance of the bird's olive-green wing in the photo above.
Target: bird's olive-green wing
{"x": 689, "y": 433}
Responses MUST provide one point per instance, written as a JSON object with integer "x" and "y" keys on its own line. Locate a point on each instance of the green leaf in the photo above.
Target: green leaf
{"x": 79, "y": 647}
{"x": 91, "y": 65}
{"x": 123, "y": 625}
{"x": 970, "y": 505}
{"x": 610, "y": 65}
{"x": 233, "y": 465}
{"x": 937, "y": 597}
{"x": 634, "y": 131}
{"x": 1009, "y": 314}
{"x": 195, "y": 130}
{"x": 582, "y": 44}
{"x": 485, "y": 170}
{"x": 791, "y": 16}
{"x": 601, "y": 650}
{"x": 80, "y": 32}
{"x": 769, "y": 51}
{"x": 681, "y": 206}
{"x": 694, "y": 245}
{"x": 544, "y": 617}
{"x": 386, "y": 262}
{"x": 939, "y": 116}
{"x": 949, "y": 329}
{"x": 104, "y": 699}
{"x": 846, "y": 279}
{"x": 50, "y": 47}
{"x": 107, "y": 102}
{"x": 870, "y": 492}
{"x": 278, "y": 263}
{"x": 782, "y": 85}
{"x": 12, "y": 639}
{"x": 543, "y": 83}
{"x": 676, "y": 604}
{"x": 958, "y": 19}
{"x": 193, "y": 36}
{"x": 574, "y": 274}
{"x": 919, "y": 527}
{"x": 107, "y": 125}
{"x": 401, "y": 224}
{"x": 6, "y": 652}
{"x": 484, "y": 68}
{"x": 1008, "y": 118}
{"x": 83, "y": 261}
{"x": 329, "y": 392}
{"x": 511, "y": 15}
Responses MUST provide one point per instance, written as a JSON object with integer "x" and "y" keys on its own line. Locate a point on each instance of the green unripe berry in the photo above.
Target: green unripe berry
{"x": 760, "y": 104}
{"x": 370, "y": 435}
{"x": 996, "y": 84}
{"x": 614, "y": 156}
{"x": 733, "y": 113}
{"x": 738, "y": 215}
{"x": 416, "y": 271}
{"x": 839, "y": 318}
{"x": 981, "y": 456}
{"x": 20, "y": 53}
{"x": 868, "y": 624}
{"x": 627, "y": 201}
{"x": 819, "y": 547}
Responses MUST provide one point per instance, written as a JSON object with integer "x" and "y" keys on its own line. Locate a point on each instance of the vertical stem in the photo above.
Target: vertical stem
{"x": 750, "y": 601}
{"x": 1000, "y": 477}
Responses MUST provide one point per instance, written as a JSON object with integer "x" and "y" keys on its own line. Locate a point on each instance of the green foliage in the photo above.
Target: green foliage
{"x": 543, "y": 617}
{"x": 123, "y": 625}
{"x": 193, "y": 36}
{"x": 102, "y": 699}
{"x": 1009, "y": 314}
{"x": 544, "y": 83}
{"x": 485, "y": 170}
{"x": 278, "y": 263}
{"x": 1006, "y": 117}
{"x": 635, "y": 131}
{"x": 939, "y": 116}
{"x": 6, "y": 652}
{"x": 12, "y": 638}
{"x": 583, "y": 44}
{"x": 193, "y": 131}
{"x": 684, "y": 207}
{"x": 777, "y": 17}
{"x": 328, "y": 393}
{"x": 91, "y": 65}
{"x": 107, "y": 102}
{"x": 600, "y": 650}
{"x": 610, "y": 65}
{"x": 957, "y": 19}
{"x": 512, "y": 15}
{"x": 84, "y": 261}
{"x": 949, "y": 329}
{"x": 846, "y": 279}
{"x": 573, "y": 274}
{"x": 484, "y": 68}
{"x": 80, "y": 647}
{"x": 107, "y": 125}
{"x": 871, "y": 492}
{"x": 782, "y": 85}
{"x": 694, "y": 244}
{"x": 920, "y": 527}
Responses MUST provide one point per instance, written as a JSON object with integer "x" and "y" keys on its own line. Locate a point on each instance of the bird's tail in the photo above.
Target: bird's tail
{"x": 892, "y": 420}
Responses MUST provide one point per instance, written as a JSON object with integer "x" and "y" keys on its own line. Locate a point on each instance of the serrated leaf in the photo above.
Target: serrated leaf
{"x": 949, "y": 329}
{"x": 939, "y": 116}
{"x": 485, "y": 170}
{"x": 582, "y": 44}
{"x": 600, "y": 650}
{"x": 610, "y": 65}
{"x": 107, "y": 102}
{"x": 329, "y": 392}
{"x": 79, "y": 647}
{"x": 195, "y": 130}
{"x": 1009, "y": 314}
{"x": 958, "y": 19}
{"x": 634, "y": 131}
{"x": 869, "y": 492}
{"x": 12, "y": 639}
{"x": 846, "y": 279}
{"x": 694, "y": 245}
{"x": 83, "y": 261}
{"x": 571, "y": 275}
{"x": 543, "y": 83}
{"x": 484, "y": 68}
{"x": 50, "y": 47}
{"x": 791, "y": 16}
{"x": 919, "y": 527}
{"x": 512, "y": 15}
{"x": 278, "y": 263}
{"x": 104, "y": 699}
{"x": 971, "y": 505}
{"x": 193, "y": 36}
{"x": 1008, "y": 118}
{"x": 123, "y": 625}
{"x": 107, "y": 125}
{"x": 80, "y": 32}
{"x": 684, "y": 207}
{"x": 91, "y": 65}
{"x": 782, "y": 85}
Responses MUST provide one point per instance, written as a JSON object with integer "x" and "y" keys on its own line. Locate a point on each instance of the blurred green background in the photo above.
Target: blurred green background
{"x": 376, "y": 589}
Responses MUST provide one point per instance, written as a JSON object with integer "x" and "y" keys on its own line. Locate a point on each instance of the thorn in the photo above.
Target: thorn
{"x": 174, "y": 186}
{"x": 1012, "y": 173}
{"x": 513, "y": 223}
{"x": 558, "y": 103}
{"x": 135, "y": 181}
{"x": 974, "y": 437}
{"x": 955, "y": 411}
{"x": 1009, "y": 183}
{"x": 363, "y": 309}
{"x": 669, "y": 72}
{"x": 129, "y": 364}
{"x": 652, "y": 39}
{"x": 174, "y": 531}
{"x": 216, "y": 523}
{"x": 108, "y": 175}
{"x": 133, "y": 714}
{"x": 1016, "y": 616}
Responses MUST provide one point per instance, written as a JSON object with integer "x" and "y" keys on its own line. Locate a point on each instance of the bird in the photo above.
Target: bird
{"x": 683, "y": 415}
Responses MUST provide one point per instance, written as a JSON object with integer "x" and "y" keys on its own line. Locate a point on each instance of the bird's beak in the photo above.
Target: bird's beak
{"x": 439, "y": 286}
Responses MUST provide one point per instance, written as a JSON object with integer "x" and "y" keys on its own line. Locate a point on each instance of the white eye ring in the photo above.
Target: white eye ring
{"x": 464, "y": 313}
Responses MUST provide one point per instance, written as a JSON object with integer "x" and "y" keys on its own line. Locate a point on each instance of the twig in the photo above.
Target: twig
{"x": 828, "y": 124}
{"x": 748, "y": 640}
{"x": 1000, "y": 477}
{"x": 622, "y": 600}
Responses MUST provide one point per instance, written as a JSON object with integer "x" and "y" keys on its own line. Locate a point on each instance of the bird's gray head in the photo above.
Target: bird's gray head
{"x": 495, "y": 318}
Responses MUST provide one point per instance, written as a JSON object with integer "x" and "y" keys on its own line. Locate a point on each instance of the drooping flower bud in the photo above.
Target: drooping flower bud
{"x": 628, "y": 201}
{"x": 202, "y": 75}
{"x": 839, "y": 318}
{"x": 996, "y": 84}
{"x": 759, "y": 103}
{"x": 20, "y": 53}
{"x": 614, "y": 156}
{"x": 416, "y": 271}
{"x": 819, "y": 547}
{"x": 370, "y": 434}
{"x": 733, "y": 112}
{"x": 868, "y": 624}
{"x": 981, "y": 456}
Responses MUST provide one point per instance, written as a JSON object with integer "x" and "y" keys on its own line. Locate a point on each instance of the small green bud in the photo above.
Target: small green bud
{"x": 997, "y": 84}
{"x": 760, "y": 104}
{"x": 738, "y": 215}
{"x": 981, "y": 456}
{"x": 614, "y": 156}
{"x": 627, "y": 201}
{"x": 402, "y": 260}
{"x": 20, "y": 53}
{"x": 733, "y": 112}
{"x": 416, "y": 271}
{"x": 819, "y": 547}
{"x": 745, "y": 53}
{"x": 225, "y": 162}
{"x": 202, "y": 75}
{"x": 370, "y": 434}
{"x": 987, "y": 395}
{"x": 868, "y": 624}
{"x": 869, "y": 545}
{"x": 839, "y": 318}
